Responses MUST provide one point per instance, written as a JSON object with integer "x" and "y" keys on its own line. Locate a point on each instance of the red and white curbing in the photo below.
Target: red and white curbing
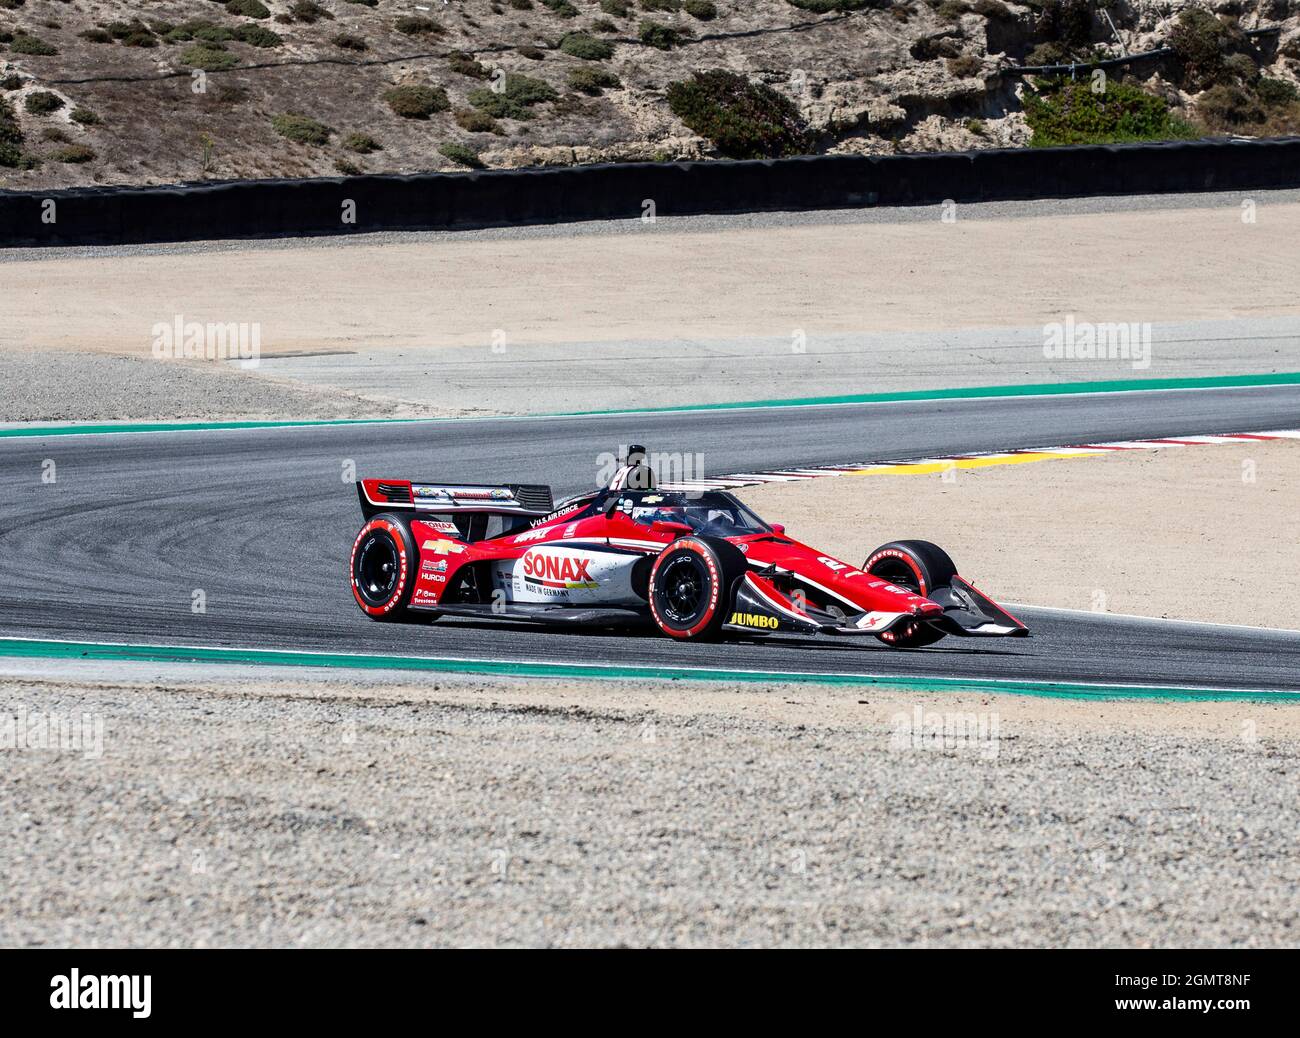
{"x": 747, "y": 479}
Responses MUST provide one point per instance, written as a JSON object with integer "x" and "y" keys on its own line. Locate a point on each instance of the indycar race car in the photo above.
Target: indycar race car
{"x": 696, "y": 564}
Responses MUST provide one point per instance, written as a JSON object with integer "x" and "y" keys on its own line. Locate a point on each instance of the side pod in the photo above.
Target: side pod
{"x": 757, "y": 607}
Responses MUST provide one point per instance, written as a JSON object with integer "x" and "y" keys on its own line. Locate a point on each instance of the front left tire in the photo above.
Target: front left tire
{"x": 690, "y": 587}
{"x": 920, "y": 567}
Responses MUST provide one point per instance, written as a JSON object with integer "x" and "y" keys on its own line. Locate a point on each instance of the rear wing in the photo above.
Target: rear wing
{"x": 386, "y": 495}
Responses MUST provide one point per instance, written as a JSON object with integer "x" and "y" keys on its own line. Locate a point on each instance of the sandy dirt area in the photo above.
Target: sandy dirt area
{"x": 1190, "y": 533}
{"x": 458, "y": 811}
{"x": 644, "y": 284}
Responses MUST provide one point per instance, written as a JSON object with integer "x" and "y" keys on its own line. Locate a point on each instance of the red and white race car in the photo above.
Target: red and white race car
{"x": 696, "y": 564}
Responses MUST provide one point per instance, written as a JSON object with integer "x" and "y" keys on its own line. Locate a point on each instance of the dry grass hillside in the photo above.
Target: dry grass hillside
{"x": 111, "y": 92}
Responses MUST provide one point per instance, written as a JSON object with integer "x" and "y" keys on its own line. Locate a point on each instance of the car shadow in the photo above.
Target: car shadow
{"x": 813, "y": 643}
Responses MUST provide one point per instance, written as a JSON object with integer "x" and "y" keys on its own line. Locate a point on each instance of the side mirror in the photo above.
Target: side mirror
{"x": 778, "y": 528}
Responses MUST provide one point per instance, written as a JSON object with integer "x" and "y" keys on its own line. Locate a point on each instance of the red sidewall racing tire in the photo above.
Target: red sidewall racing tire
{"x": 918, "y": 566}
{"x": 691, "y": 584}
{"x": 383, "y": 567}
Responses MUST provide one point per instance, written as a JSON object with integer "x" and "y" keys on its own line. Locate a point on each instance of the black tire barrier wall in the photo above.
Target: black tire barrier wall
{"x": 446, "y": 201}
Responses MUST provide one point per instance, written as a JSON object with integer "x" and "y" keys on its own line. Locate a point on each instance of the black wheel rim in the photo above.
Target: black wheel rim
{"x": 377, "y": 568}
{"x": 896, "y": 571}
{"x": 683, "y": 589}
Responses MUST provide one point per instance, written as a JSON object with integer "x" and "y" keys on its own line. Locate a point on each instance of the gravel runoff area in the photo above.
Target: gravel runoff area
{"x": 331, "y": 810}
{"x": 751, "y": 306}
{"x": 88, "y": 387}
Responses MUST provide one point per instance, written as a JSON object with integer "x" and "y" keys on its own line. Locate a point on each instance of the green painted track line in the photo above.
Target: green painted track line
{"x": 143, "y": 653}
{"x": 1136, "y": 385}
{"x": 100, "y": 429}
{"x": 1131, "y": 385}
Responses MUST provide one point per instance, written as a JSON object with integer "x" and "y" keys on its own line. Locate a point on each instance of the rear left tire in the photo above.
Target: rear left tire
{"x": 384, "y": 566}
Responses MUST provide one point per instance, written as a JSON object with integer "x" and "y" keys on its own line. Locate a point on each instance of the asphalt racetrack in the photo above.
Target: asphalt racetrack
{"x": 261, "y": 521}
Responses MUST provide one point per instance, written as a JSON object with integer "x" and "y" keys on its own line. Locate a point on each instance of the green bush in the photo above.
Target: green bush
{"x": 587, "y": 80}
{"x": 258, "y": 36}
{"x": 744, "y": 120}
{"x": 1068, "y": 22}
{"x": 618, "y": 8}
{"x": 662, "y": 37}
{"x": 248, "y": 8}
{"x": 418, "y": 25}
{"x": 74, "y": 153}
{"x": 1047, "y": 54}
{"x": 11, "y": 82}
{"x": 1270, "y": 108}
{"x": 462, "y": 154}
{"x": 42, "y": 102}
{"x": 827, "y": 6}
{"x": 1200, "y": 43}
{"x": 520, "y": 94}
{"x": 349, "y": 41}
{"x": 474, "y": 121}
{"x": 704, "y": 10}
{"x": 11, "y": 136}
{"x": 530, "y": 52}
{"x": 952, "y": 10}
{"x": 24, "y": 44}
{"x": 84, "y": 116}
{"x": 580, "y": 45}
{"x": 965, "y": 66}
{"x": 561, "y": 7}
{"x": 992, "y": 9}
{"x": 1073, "y": 114}
{"x": 121, "y": 30}
{"x": 346, "y": 166}
{"x": 417, "y": 101}
{"x": 96, "y": 36}
{"x": 140, "y": 39}
{"x": 207, "y": 32}
{"x": 301, "y": 129}
{"x": 1276, "y": 91}
{"x": 361, "y": 143}
{"x": 309, "y": 12}
{"x": 1228, "y": 106}
{"x": 211, "y": 57}
{"x": 467, "y": 65}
